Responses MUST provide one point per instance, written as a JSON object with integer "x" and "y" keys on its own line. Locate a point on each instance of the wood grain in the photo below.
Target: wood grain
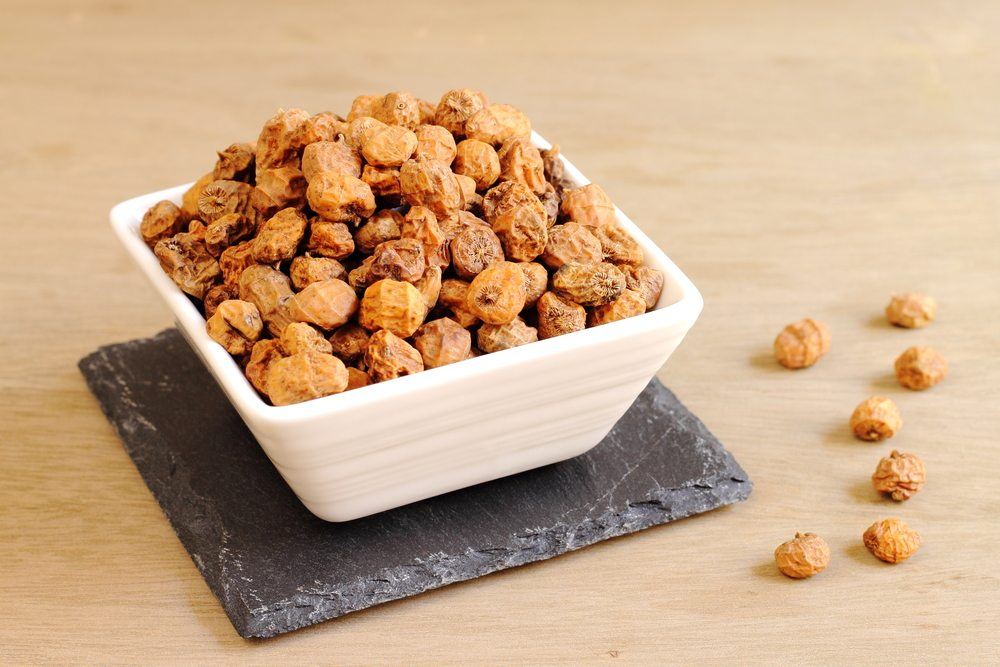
{"x": 795, "y": 159}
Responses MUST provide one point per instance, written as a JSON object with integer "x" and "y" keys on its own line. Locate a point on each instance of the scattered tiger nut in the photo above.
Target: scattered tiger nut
{"x": 646, "y": 281}
{"x": 279, "y": 237}
{"x": 875, "y": 419}
{"x": 571, "y": 242}
{"x": 496, "y": 337}
{"x": 306, "y": 270}
{"x": 185, "y": 259}
{"x": 456, "y": 107}
{"x": 911, "y": 310}
{"x": 920, "y": 368}
{"x": 536, "y": 281}
{"x": 891, "y": 540}
{"x": 589, "y": 284}
{"x": 236, "y": 326}
{"x": 452, "y": 296}
{"x": 339, "y": 197}
{"x": 299, "y": 337}
{"x": 558, "y": 316}
{"x": 588, "y": 205}
{"x": 394, "y": 305}
{"x": 333, "y": 156}
{"x": 305, "y": 376}
{"x": 629, "y": 304}
{"x": 235, "y": 163}
{"x": 431, "y": 183}
{"x": 496, "y": 294}
{"x": 479, "y": 161}
{"x": 388, "y": 146}
{"x": 522, "y": 163}
{"x": 801, "y": 344}
{"x": 263, "y": 354}
{"x": 278, "y": 144}
{"x": 330, "y": 239}
{"x": 434, "y": 143}
{"x": 399, "y": 259}
{"x": 388, "y": 356}
{"x": 161, "y": 221}
{"x": 398, "y": 108}
{"x": 802, "y": 557}
{"x": 474, "y": 249}
{"x": 384, "y": 226}
{"x": 496, "y": 123}
{"x": 899, "y": 475}
{"x": 442, "y": 342}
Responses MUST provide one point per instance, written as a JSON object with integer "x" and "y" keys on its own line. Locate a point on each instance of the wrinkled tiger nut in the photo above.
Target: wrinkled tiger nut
{"x": 434, "y": 143}
{"x": 398, "y": 108}
{"x": 339, "y": 197}
{"x": 473, "y": 200}
{"x": 550, "y": 203}
{"x": 618, "y": 246}
{"x": 279, "y": 237}
{"x": 646, "y": 281}
{"x": 323, "y": 126}
{"x": 394, "y": 305}
{"x": 305, "y": 270}
{"x": 330, "y": 239}
{"x": 920, "y": 368}
{"x": 588, "y": 205}
{"x": 496, "y": 294}
{"x": 235, "y": 163}
{"x": 496, "y": 337}
{"x": 442, "y": 342}
{"x": 571, "y": 242}
{"x": 505, "y": 196}
{"x": 236, "y": 326}
{"x": 216, "y": 295}
{"x": 456, "y": 223}
{"x": 356, "y": 378}
{"x": 456, "y": 107}
{"x": 801, "y": 344}
{"x": 277, "y": 144}
{"x": 875, "y": 419}
{"x": 558, "y": 316}
{"x": 328, "y": 304}
{"x": 234, "y": 260}
{"x": 226, "y": 231}
{"x": 388, "y": 146}
{"x": 474, "y": 249}
{"x": 399, "y": 259}
{"x": 802, "y": 557}
{"x": 185, "y": 259}
{"x": 384, "y": 183}
{"x": 496, "y": 123}
{"x": 360, "y": 277}
{"x": 421, "y": 225}
{"x": 384, "y": 226}
{"x": 553, "y": 165}
{"x": 522, "y": 163}
{"x": 363, "y": 106}
{"x": 349, "y": 342}
{"x": 221, "y": 197}
{"x": 333, "y": 156}
{"x": 358, "y": 129}
{"x": 429, "y": 285}
{"x": 523, "y": 231}
{"x": 305, "y": 376}
{"x": 161, "y": 221}
{"x": 269, "y": 290}
{"x": 911, "y": 310}
{"x": 899, "y": 475}
{"x": 299, "y": 337}
{"x": 452, "y": 297}
{"x": 589, "y": 284}
{"x": 388, "y": 356}
{"x": 536, "y": 281}
{"x": 431, "y": 183}
{"x": 891, "y": 540}
{"x": 479, "y": 161}
{"x": 278, "y": 188}
{"x": 263, "y": 354}
{"x": 629, "y": 304}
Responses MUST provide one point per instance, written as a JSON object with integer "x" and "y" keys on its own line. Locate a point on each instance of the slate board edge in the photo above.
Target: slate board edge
{"x": 434, "y": 572}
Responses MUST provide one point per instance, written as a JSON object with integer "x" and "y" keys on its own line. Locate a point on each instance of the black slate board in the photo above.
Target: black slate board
{"x": 275, "y": 567}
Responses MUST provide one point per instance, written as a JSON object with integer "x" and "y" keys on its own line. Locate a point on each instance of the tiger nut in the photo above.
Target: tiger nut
{"x": 588, "y": 205}
{"x": 388, "y": 356}
{"x": 442, "y": 342}
{"x": 497, "y": 337}
{"x": 558, "y": 316}
{"x": 496, "y": 294}
{"x": 920, "y": 368}
{"x": 479, "y": 161}
{"x": 875, "y": 419}
{"x": 911, "y": 310}
{"x": 236, "y": 326}
{"x": 891, "y": 540}
{"x": 393, "y": 305}
{"x": 456, "y": 107}
{"x": 589, "y": 284}
{"x": 339, "y": 197}
{"x": 496, "y": 123}
{"x": 801, "y": 344}
{"x": 629, "y": 304}
{"x": 327, "y": 304}
{"x": 899, "y": 475}
{"x": 305, "y": 376}
{"x": 299, "y": 337}
{"x": 802, "y": 557}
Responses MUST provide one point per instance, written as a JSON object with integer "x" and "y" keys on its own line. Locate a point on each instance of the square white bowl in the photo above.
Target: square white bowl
{"x": 385, "y": 445}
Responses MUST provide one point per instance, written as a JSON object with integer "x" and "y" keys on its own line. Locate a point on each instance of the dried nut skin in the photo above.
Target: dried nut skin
{"x": 363, "y": 106}
{"x": 522, "y": 163}
{"x": 399, "y": 108}
{"x": 388, "y": 356}
{"x": 920, "y": 368}
{"x": 305, "y": 270}
{"x": 185, "y": 259}
{"x": 647, "y": 281}
{"x": 235, "y": 163}
{"x": 899, "y": 475}
{"x": 617, "y": 246}
{"x": 589, "y": 284}
{"x": 226, "y": 231}
{"x": 431, "y": 183}
{"x": 421, "y": 225}
{"x": 571, "y": 242}
{"x": 588, "y": 205}
{"x": 801, "y": 344}
{"x": 221, "y": 197}
{"x": 523, "y": 231}
{"x": 891, "y": 540}
{"x": 557, "y": 316}
{"x": 305, "y": 376}
{"x": 452, "y": 297}
{"x": 911, "y": 310}
{"x": 335, "y": 156}
{"x": 536, "y": 281}
{"x": 330, "y": 239}
{"x": 216, "y": 295}
{"x": 327, "y": 304}
{"x": 263, "y": 354}
{"x": 349, "y": 342}
{"x": 875, "y": 419}
{"x": 434, "y": 143}
{"x": 279, "y": 237}
{"x": 388, "y": 146}
{"x": 340, "y": 197}
{"x": 479, "y": 161}
{"x": 393, "y": 305}
{"x": 474, "y": 249}
{"x": 400, "y": 259}
{"x": 299, "y": 337}
{"x": 236, "y": 326}
{"x": 234, "y": 260}
{"x": 384, "y": 226}
{"x": 496, "y": 337}
{"x": 629, "y": 304}
{"x": 496, "y": 294}
{"x": 269, "y": 290}
{"x": 802, "y": 557}
{"x": 496, "y": 123}
{"x": 278, "y": 188}
{"x": 456, "y": 107}
{"x": 161, "y": 221}
{"x": 442, "y": 342}
{"x": 277, "y": 144}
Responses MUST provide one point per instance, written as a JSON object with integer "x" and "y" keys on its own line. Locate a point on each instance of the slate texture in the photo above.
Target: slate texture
{"x": 275, "y": 567}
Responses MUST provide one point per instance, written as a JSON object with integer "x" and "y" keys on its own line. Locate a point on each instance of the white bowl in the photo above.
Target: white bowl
{"x": 386, "y": 445}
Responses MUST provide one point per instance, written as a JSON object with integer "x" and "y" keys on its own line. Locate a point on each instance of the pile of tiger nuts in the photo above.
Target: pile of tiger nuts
{"x": 897, "y": 476}
{"x": 338, "y": 252}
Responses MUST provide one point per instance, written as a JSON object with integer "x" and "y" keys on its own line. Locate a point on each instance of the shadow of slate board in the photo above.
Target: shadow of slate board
{"x": 275, "y": 567}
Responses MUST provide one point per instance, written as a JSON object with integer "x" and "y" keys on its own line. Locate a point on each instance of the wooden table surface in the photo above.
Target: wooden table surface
{"x": 794, "y": 160}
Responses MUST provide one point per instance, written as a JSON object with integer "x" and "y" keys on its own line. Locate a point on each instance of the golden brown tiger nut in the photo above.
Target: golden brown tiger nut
{"x": 299, "y": 337}
{"x": 891, "y": 540}
{"x": 196, "y": 229}
{"x": 617, "y": 246}
{"x": 553, "y": 166}
{"x": 899, "y": 475}
{"x": 279, "y": 237}
{"x": 306, "y": 270}
{"x": 278, "y": 188}
{"x": 434, "y": 143}
{"x": 452, "y": 297}
{"x": 496, "y": 294}
{"x": 801, "y": 344}
{"x": 629, "y": 304}
{"x": 920, "y": 368}
{"x": 277, "y": 144}
{"x": 333, "y": 156}
{"x": 523, "y": 231}
{"x": 388, "y": 146}
{"x": 357, "y": 378}
{"x": 328, "y": 304}
{"x": 235, "y": 163}
{"x": 571, "y": 242}
{"x": 504, "y": 196}
{"x": 226, "y": 231}
{"x": 388, "y": 356}
{"x": 456, "y": 107}
{"x": 557, "y": 316}
{"x": 191, "y": 196}
{"x": 236, "y": 326}
{"x": 496, "y": 123}
{"x": 479, "y": 161}
{"x": 496, "y": 337}
{"x": 394, "y": 305}
{"x": 384, "y": 226}
{"x": 305, "y": 376}
{"x": 431, "y": 183}
{"x": 234, "y": 260}
{"x": 456, "y": 223}
{"x": 875, "y": 419}
{"x": 522, "y": 163}
{"x": 360, "y": 277}
{"x": 263, "y": 354}
{"x": 161, "y": 221}
{"x": 588, "y": 205}
{"x": 358, "y": 128}
{"x": 911, "y": 310}
{"x": 349, "y": 342}
{"x": 473, "y": 200}
{"x": 646, "y": 281}
{"x": 550, "y": 202}
{"x": 536, "y": 281}
{"x": 216, "y": 295}
{"x": 474, "y": 249}
{"x": 340, "y": 198}
{"x": 269, "y": 290}
{"x": 330, "y": 239}
{"x": 589, "y": 284}
{"x": 430, "y": 285}
{"x": 185, "y": 259}
{"x": 426, "y": 112}
{"x": 398, "y": 108}
{"x": 421, "y": 225}
{"x": 400, "y": 259}
{"x": 221, "y": 197}
{"x": 323, "y": 126}
{"x": 442, "y": 342}
{"x": 802, "y": 557}
{"x": 384, "y": 182}
{"x": 363, "y": 105}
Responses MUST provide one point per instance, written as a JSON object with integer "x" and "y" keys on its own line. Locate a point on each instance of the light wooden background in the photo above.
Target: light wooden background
{"x": 795, "y": 159}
